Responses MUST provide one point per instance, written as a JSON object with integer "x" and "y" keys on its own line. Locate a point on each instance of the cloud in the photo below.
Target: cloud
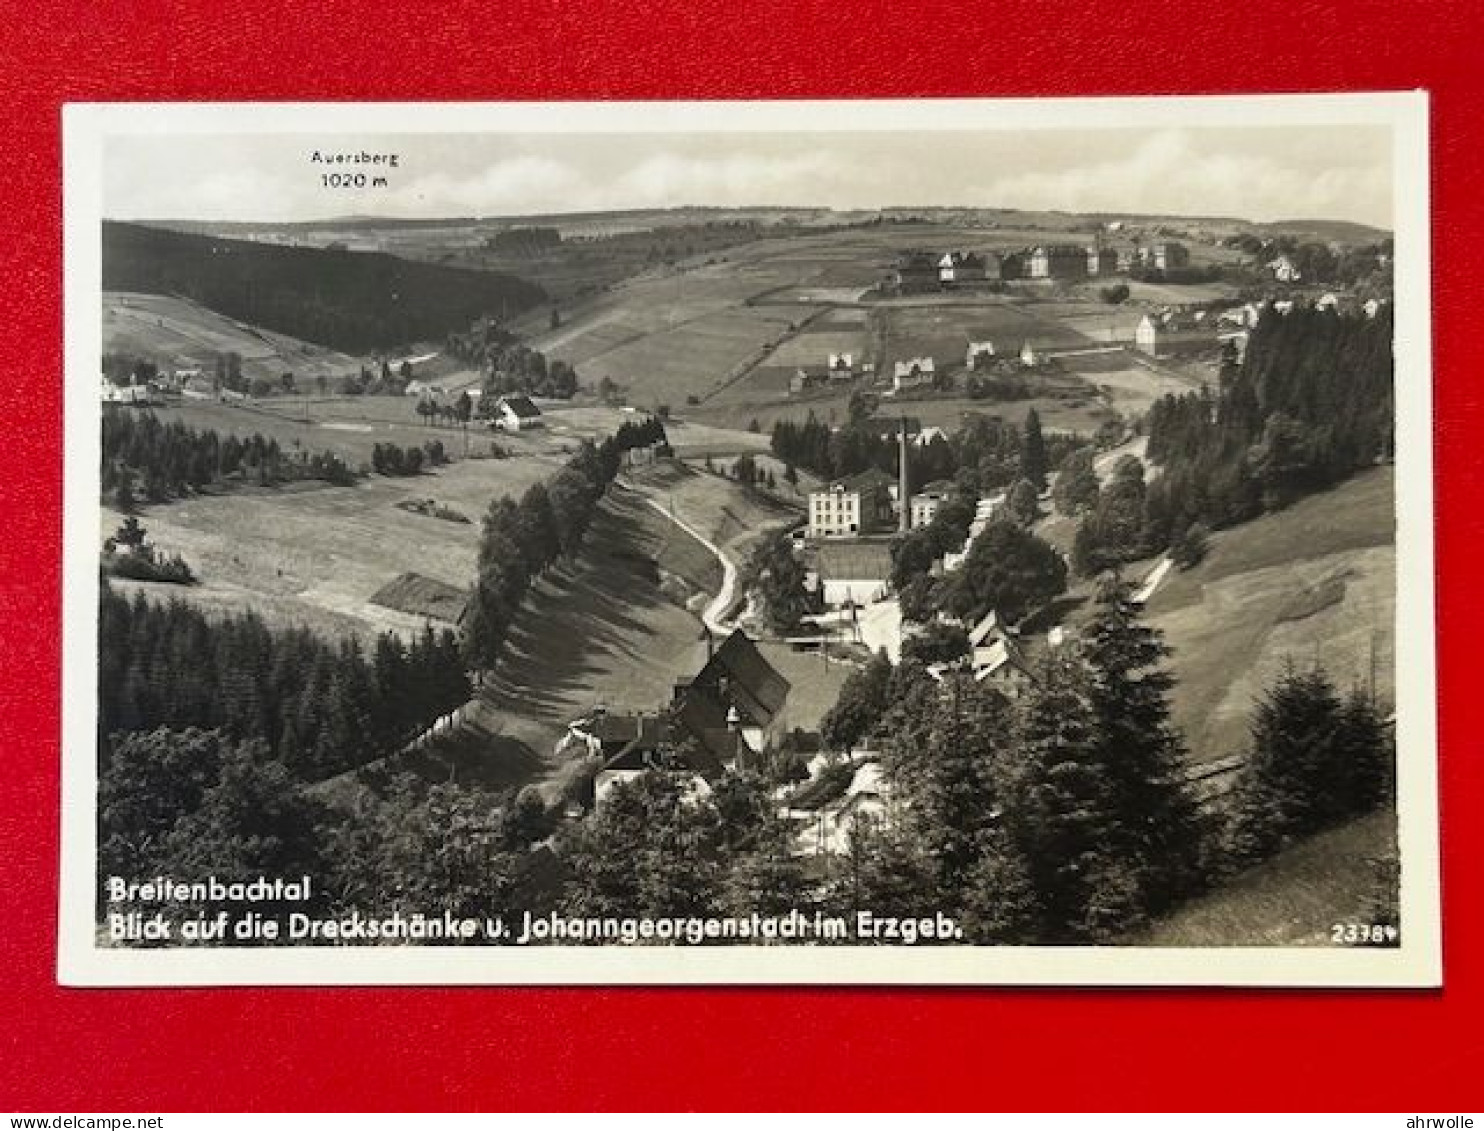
{"x": 739, "y": 180}
{"x": 1169, "y": 172}
{"x": 509, "y": 185}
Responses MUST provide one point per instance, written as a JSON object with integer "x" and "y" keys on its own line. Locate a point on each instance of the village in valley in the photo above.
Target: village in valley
{"x": 1035, "y": 568}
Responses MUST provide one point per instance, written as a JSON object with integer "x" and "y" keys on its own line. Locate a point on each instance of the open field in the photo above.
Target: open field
{"x": 176, "y": 333}
{"x": 732, "y": 331}
{"x": 944, "y": 330}
{"x": 348, "y": 426}
{"x": 1130, "y": 385}
{"x": 316, "y": 555}
{"x": 1290, "y": 900}
{"x": 731, "y": 517}
{"x": 1314, "y": 583}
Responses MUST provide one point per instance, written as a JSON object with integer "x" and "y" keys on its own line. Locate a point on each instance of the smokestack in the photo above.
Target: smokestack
{"x": 904, "y": 499}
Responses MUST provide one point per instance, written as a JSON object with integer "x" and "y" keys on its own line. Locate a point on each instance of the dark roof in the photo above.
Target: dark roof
{"x": 739, "y": 673}
{"x": 689, "y": 749}
{"x": 868, "y": 480}
{"x": 892, "y": 428}
{"x": 702, "y": 719}
{"x": 522, "y": 406}
{"x": 938, "y": 487}
{"x": 618, "y": 731}
{"x": 853, "y": 561}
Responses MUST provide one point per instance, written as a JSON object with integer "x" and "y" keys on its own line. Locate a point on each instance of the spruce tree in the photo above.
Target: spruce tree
{"x": 1033, "y": 460}
{"x": 1159, "y": 832}
{"x": 1060, "y": 808}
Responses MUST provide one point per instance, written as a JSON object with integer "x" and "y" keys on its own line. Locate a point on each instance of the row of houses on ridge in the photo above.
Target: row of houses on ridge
{"x": 915, "y": 272}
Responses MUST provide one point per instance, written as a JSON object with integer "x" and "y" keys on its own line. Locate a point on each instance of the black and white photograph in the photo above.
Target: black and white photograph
{"x": 829, "y": 542}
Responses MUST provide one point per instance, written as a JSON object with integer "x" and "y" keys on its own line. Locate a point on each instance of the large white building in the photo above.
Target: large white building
{"x": 851, "y": 507}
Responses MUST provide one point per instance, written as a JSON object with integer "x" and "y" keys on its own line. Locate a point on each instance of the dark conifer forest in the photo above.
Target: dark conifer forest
{"x": 351, "y": 301}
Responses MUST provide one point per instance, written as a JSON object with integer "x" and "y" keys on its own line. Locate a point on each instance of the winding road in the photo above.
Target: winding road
{"x": 712, "y": 614}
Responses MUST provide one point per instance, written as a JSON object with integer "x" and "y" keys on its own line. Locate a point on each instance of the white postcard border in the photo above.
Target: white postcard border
{"x": 1416, "y": 963}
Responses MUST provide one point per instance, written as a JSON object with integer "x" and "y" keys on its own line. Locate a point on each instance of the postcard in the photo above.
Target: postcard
{"x": 870, "y": 542}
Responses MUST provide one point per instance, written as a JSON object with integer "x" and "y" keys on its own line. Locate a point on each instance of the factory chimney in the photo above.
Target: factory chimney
{"x": 904, "y": 498}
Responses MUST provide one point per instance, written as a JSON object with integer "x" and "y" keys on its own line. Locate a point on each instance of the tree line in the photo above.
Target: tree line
{"x": 317, "y": 706}
{"x": 143, "y": 455}
{"x": 508, "y": 364}
{"x": 395, "y": 460}
{"x": 522, "y": 540}
{"x": 1309, "y": 404}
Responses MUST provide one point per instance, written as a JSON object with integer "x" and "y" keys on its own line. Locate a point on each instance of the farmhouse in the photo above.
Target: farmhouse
{"x": 735, "y": 703}
{"x": 517, "y": 414}
{"x": 913, "y": 373}
{"x": 1285, "y": 270}
{"x": 826, "y": 828}
{"x": 662, "y": 744}
{"x": 853, "y": 506}
{"x": 1165, "y": 256}
{"x": 857, "y": 572}
{"x": 997, "y": 656}
{"x": 980, "y": 355}
{"x": 806, "y": 377}
{"x": 841, "y": 367}
{"x": 1058, "y": 261}
{"x": 124, "y": 394}
{"x": 736, "y": 696}
{"x": 960, "y": 267}
{"x": 1165, "y": 335}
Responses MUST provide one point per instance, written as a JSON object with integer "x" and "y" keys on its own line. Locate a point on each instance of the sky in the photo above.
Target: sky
{"x": 1265, "y": 173}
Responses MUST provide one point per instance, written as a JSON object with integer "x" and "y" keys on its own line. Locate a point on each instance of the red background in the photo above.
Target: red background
{"x": 500, "y": 1048}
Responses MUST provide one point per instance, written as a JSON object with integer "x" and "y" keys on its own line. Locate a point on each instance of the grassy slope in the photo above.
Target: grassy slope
{"x": 315, "y": 555}
{"x": 1292, "y": 899}
{"x": 1315, "y": 582}
{"x": 177, "y": 333}
{"x": 597, "y": 632}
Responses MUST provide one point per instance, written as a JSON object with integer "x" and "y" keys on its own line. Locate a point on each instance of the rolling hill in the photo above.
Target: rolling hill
{"x": 350, "y": 301}
{"x": 1315, "y": 583}
{"x": 176, "y": 333}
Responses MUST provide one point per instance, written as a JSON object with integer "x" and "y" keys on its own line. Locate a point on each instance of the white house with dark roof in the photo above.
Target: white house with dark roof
{"x": 913, "y": 373}
{"x": 979, "y": 354}
{"x": 517, "y": 413}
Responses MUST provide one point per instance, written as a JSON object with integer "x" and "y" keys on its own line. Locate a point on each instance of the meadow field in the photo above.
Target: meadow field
{"x": 1291, "y": 900}
{"x": 177, "y": 333}
{"x": 1315, "y": 583}
{"x": 315, "y": 555}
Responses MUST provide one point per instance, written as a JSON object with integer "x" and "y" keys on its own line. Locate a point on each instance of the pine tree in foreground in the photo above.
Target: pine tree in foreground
{"x": 1160, "y": 834}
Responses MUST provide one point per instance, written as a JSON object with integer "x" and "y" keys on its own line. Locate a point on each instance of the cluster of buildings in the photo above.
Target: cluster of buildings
{"x": 841, "y": 369}
{"x": 920, "y": 271}
{"x": 734, "y": 707}
{"x": 872, "y": 502}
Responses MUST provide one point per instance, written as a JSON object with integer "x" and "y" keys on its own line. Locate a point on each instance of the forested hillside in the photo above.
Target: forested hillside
{"x": 351, "y": 301}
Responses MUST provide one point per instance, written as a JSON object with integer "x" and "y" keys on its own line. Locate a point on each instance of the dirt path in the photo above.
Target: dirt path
{"x": 711, "y": 616}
